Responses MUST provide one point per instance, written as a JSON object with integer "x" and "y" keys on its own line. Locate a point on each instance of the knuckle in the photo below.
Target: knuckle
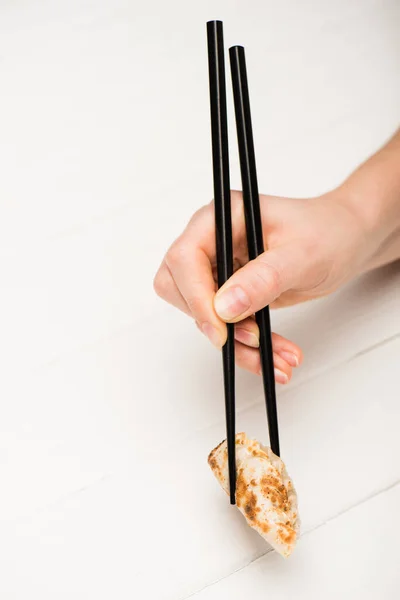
{"x": 236, "y": 202}
{"x": 236, "y": 198}
{"x": 200, "y": 212}
{"x": 161, "y": 284}
{"x": 269, "y": 276}
{"x": 237, "y": 207}
{"x": 175, "y": 254}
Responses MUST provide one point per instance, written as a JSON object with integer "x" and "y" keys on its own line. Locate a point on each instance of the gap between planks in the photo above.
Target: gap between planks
{"x": 332, "y": 367}
{"x": 326, "y": 522}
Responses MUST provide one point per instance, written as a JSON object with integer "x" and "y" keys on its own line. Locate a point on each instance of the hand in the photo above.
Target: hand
{"x": 314, "y": 246}
{"x": 303, "y": 261}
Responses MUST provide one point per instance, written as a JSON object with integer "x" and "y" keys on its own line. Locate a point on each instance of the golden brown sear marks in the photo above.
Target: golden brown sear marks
{"x": 241, "y": 487}
{"x": 255, "y": 450}
{"x": 272, "y": 488}
{"x": 240, "y": 438}
{"x": 213, "y": 452}
{"x": 264, "y": 492}
{"x": 212, "y": 461}
{"x": 225, "y": 458}
{"x": 246, "y": 498}
{"x": 269, "y": 481}
{"x": 286, "y": 534}
{"x": 264, "y": 527}
{"x": 250, "y": 506}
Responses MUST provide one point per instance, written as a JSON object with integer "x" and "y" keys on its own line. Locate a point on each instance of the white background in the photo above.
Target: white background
{"x": 110, "y": 401}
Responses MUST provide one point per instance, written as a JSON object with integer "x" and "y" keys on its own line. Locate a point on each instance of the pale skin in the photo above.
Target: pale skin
{"x": 314, "y": 246}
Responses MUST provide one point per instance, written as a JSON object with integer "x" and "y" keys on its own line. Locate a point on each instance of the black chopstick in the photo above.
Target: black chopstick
{"x": 253, "y": 226}
{"x": 223, "y": 223}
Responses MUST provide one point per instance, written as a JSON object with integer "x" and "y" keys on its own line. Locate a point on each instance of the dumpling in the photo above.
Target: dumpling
{"x": 264, "y": 491}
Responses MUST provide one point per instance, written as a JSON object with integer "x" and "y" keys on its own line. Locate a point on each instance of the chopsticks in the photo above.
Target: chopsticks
{"x": 223, "y": 223}
{"x": 254, "y": 226}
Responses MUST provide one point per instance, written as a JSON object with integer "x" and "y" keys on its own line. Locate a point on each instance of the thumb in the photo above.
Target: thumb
{"x": 259, "y": 283}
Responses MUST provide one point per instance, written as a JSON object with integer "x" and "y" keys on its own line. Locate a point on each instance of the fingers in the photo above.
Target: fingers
{"x": 259, "y": 283}
{"x": 191, "y": 270}
{"x": 247, "y": 333}
{"x": 287, "y": 350}
{"x": 186, "y": 280}
{"x": 287, "y": 354}
{"x": 166, "y": 288}
{"x": 186, "y": 277}
{"x": 249, "y": 359}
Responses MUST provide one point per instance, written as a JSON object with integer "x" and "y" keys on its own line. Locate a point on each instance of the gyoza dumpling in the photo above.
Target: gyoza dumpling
{"x": 264, "y": 491}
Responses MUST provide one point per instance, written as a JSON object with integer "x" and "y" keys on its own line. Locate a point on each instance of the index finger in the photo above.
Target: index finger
{"x": 190, "y": 260}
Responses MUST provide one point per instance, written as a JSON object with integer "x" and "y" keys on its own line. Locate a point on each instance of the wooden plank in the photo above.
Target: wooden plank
{"x": 160, "y": 507}
{"x": 354, "y": 555}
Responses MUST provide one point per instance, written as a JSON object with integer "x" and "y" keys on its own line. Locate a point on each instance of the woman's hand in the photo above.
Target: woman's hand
{"x": 313, "y": 246}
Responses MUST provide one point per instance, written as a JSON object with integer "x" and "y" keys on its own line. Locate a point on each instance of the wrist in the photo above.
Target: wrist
{"x": 365, "y": 233}
{"x": 372, "y": 192}
{"x": 371, "y": 196}
{"x": 375, "y": 207}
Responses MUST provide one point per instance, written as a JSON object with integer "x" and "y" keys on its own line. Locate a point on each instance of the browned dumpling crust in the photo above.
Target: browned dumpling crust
{"x": 265, "y": 494}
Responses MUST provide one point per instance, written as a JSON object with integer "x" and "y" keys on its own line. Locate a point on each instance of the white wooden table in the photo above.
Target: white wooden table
{"x": 111, "y": 401}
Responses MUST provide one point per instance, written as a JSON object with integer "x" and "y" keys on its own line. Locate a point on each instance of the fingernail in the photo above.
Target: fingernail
{"x": 280, "y": 376}
{"x": 231, "y": 303}
{"x": 212, "y": 333}
{"x": 247, "y": 337}
{"x": 290, "y": 358}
